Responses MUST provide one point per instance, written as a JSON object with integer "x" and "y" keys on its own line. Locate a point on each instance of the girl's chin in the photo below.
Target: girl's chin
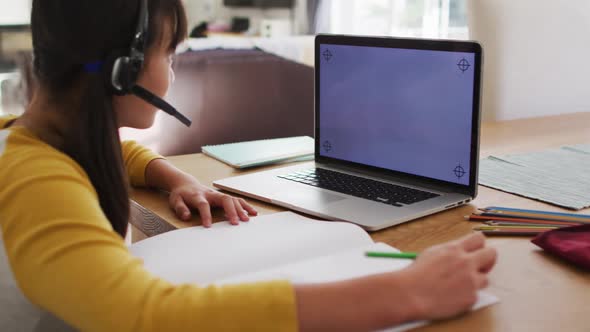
{"x": 140, "y": 124}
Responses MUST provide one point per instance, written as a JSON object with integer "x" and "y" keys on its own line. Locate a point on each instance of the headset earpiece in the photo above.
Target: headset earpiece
{"x": 121, "y": 72}
{"x": 125, "y": 73}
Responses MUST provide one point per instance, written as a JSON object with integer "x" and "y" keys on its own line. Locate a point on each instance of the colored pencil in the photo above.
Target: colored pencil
{"x": 476, "y": 217}
{"x": 525, "y": 224}
{"x": 509, "y": 221}
{"x": 511, "y": 233}
{"x": 520, "y": 227}
{"x": 556, "y": 214}
{"x": 406, "y": 255}
{"x": 489, "y": 228}
{"x": 534, "y": 214}
{"x": 534, "y": 217}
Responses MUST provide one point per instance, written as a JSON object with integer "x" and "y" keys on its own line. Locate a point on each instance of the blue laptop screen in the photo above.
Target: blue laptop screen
{"x": 400, "y": 109}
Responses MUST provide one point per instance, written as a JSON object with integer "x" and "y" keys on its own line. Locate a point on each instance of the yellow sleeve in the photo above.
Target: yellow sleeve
{"x": 136, "y": 159}
{"x": 6, "y": 119}
{"x": 67, "y": 259}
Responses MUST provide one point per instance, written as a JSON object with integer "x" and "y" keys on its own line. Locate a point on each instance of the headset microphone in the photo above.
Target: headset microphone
{"x": 159, "y": 103}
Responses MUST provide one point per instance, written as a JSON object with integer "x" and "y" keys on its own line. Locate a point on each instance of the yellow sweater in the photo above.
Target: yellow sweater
{"x": 68, "y": 260}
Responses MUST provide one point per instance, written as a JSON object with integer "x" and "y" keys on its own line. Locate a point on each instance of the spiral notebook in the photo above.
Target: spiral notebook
{"x": 263, "y": 152}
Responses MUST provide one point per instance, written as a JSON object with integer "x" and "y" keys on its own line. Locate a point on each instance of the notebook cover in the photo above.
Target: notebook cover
{"x": 263, "y": 152}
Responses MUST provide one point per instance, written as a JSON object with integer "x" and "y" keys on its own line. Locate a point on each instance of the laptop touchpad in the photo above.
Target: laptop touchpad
{"x": 310, "y": 196}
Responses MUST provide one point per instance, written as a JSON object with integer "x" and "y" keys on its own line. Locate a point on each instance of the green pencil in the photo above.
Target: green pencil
{"x": 406, "y": 255}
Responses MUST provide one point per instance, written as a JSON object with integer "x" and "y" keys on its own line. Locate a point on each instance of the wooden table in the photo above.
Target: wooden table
{"x": 537, "y": 291}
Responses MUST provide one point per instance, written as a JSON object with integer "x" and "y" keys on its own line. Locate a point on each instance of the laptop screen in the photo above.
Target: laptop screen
{"x": 405, "y": 110}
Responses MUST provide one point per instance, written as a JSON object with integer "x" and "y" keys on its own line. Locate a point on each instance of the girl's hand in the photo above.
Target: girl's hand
{"x": 447, "y": 277}
{"x": 192, "y": 194}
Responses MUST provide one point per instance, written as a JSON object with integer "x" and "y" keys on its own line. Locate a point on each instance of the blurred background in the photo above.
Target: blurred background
{"x": 15, "y": 45}
{"x": 255, "y": 58}
{"x": 263, "y": 18}
{"x": 245, "y": 59}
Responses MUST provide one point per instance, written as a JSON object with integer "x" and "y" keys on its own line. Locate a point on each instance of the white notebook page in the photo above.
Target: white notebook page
{"x": 205, "y": 255}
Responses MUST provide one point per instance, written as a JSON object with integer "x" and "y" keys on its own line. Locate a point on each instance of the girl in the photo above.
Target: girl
{"x": 64, "y": 202}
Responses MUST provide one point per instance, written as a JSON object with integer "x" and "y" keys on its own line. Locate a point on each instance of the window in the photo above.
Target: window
{"x": 403, "y": 18}
{"x": 15, "y": 12}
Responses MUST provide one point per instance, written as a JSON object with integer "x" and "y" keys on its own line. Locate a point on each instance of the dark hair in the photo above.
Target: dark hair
{"x": 70, "y": 33}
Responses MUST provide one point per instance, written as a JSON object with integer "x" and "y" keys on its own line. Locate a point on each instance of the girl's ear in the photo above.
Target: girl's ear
{"x": 172, "y": 76}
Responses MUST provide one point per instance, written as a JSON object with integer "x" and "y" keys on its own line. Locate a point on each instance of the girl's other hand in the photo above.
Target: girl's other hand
{"x": 194, "y": 195}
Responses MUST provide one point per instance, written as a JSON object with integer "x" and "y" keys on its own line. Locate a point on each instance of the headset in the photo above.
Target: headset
{"x": 122, "y": 79}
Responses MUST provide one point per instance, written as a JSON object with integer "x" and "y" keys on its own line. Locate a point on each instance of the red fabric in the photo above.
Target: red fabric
{"x": 569, "y": 243}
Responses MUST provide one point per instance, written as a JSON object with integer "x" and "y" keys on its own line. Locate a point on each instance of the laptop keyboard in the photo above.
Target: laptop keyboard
{"x": 377, "y": 191}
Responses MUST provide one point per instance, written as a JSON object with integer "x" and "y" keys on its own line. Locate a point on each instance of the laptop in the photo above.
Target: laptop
{"x": 397, "y": 133}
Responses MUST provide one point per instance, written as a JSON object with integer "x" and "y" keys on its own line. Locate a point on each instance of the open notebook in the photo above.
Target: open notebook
{"x": 276, "y": 246}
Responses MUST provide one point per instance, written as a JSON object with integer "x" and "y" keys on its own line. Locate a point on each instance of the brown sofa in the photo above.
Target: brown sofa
{"x": 230, "y": 95}
{"x": 235, "y": 95}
